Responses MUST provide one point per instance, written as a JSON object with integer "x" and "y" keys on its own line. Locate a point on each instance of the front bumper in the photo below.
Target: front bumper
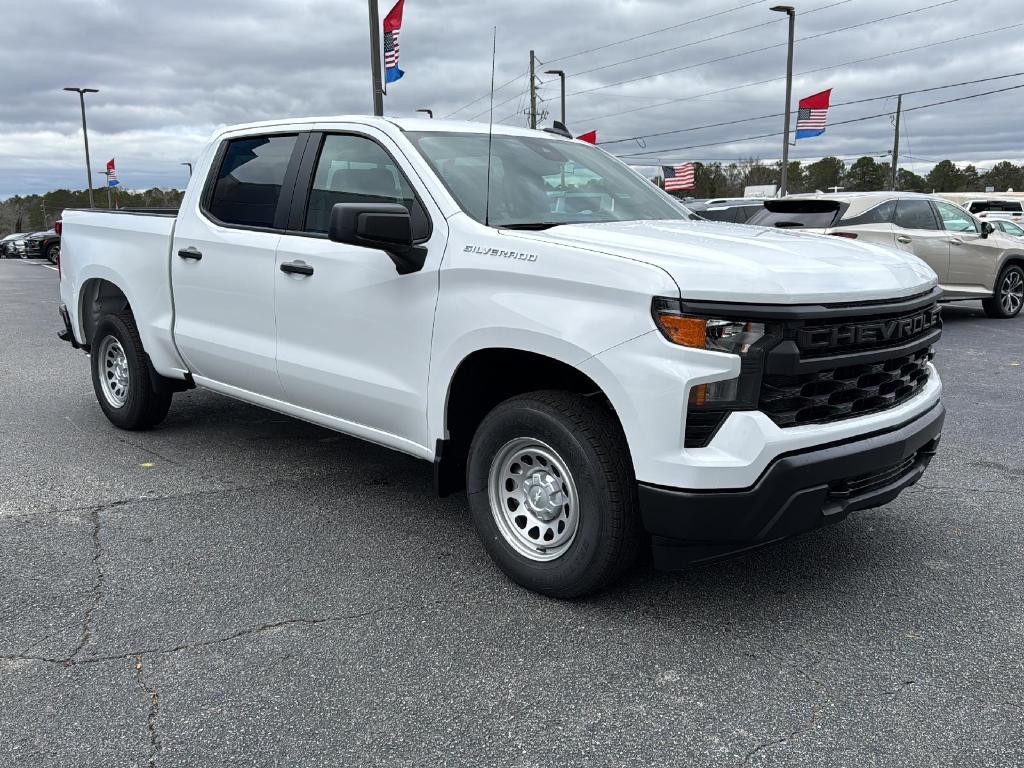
{"x": 797, "y": 492}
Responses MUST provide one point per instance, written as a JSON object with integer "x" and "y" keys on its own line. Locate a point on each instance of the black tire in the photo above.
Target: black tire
{"x": 589, "y": 441}
{"x": 145, "y": 405}
{"x": 1012, "y": 277}
{"x": 53, "y": 253}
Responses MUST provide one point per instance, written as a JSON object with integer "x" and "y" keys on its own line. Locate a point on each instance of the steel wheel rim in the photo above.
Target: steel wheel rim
{"x": 533, "y": 499}
{"x": 114, "y": 375}
{"x": 1012, "y": 292}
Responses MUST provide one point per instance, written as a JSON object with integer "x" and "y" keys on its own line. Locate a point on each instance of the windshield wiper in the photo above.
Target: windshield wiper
{"x": 533, "y": 225}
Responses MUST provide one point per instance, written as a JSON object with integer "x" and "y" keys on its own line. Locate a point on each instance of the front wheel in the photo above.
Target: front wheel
{"x": 552, "y": 493}
{"x": 1009, "y": 294}
{"x": 53, "y": 254}
{"x": 121, "y": 375}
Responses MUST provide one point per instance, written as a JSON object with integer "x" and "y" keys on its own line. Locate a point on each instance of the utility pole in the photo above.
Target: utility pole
{"x": 561, "y": 76}
{"x": 790, "y": 11}
{"x": 533, "y": 91}
{"x": 378, "y": 86}
{"x": 85, "y": 133}
{"x": 896, "y": 143}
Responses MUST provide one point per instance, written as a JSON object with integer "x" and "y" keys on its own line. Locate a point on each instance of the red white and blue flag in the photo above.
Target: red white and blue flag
{"x": 111, "y": 174}
{"x": 811, "y": 115}
{"x": 392, "y": 28}
{"x": 678, "y": 176}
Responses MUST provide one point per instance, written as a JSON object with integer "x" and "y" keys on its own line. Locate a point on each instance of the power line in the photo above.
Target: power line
{"x": 765, "y": 48}
{"x": 655, "y": 32}
{"x": 841, "y": 122}
{"x": 806, "y": 72}
{"x": 474, "y": 101}
{"x": 779, "y": 114}
{"x": 707, "y": 40}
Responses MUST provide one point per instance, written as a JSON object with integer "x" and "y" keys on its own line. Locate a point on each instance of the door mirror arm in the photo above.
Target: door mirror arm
{"x": 382, "y": 226}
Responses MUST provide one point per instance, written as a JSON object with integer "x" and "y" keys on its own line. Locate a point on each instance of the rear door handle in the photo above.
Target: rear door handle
{"x": 296, "y": 268}
{"x": 903, "y": 239}
{"x": 191, "y": 252}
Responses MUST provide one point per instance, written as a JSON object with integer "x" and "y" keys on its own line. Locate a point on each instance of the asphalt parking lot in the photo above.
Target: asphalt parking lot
{"x": 239, "y": 588}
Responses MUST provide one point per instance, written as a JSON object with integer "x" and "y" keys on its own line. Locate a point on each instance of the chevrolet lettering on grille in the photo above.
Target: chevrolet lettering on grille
{"x": 866, "y": 333}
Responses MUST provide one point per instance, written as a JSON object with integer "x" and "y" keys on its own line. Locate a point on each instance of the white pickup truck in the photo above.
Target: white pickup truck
{"x": 548, "y": 328}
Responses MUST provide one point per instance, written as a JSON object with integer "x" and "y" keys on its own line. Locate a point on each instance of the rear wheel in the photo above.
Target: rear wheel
{"x": 122, "y": 378}
{"x": 552, "y": 493}
{"x": 1009, "y": 294}
{"x": 53, "y": 253}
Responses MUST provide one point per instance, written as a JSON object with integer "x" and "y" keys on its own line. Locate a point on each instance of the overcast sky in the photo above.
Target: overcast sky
{"x": 169, "y": 73}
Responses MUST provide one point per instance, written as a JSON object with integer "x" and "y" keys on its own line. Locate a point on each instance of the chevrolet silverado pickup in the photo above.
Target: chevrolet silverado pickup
{"x": 598, "y": 372}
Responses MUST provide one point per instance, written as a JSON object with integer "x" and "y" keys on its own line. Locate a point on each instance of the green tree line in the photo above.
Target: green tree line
{"x": 865, "y": 174}
{"x": 32, "y": 213}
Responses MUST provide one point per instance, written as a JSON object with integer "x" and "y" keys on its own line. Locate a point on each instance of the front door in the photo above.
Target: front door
{"x": 918, "y": 232}
{"x": 973, "y": 259}
{"x": 353, "y": 335}
{"x": 222, "y": 266}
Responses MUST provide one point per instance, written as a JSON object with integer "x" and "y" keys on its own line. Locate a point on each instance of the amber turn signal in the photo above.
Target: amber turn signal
{"x": 687, "y": 331}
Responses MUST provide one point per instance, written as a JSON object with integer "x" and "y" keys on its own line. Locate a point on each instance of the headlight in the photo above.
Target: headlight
{"x": 728, "y": 335}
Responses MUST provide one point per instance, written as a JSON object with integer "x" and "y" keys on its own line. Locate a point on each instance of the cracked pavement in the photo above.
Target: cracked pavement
{"x": 239, "y": 588}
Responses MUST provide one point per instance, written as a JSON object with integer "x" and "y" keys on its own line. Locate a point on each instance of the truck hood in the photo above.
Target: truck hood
{"x": 730, "y": 262}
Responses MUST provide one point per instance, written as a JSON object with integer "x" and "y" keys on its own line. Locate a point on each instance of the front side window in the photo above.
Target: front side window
{"x": 355, "y": 169}
{"x": 1011, "y": 229}
{"x": 915, "y": 214}
{"x": 537, "y": 182}
{"x": 248, "y": 184}
{"x": 955, "y": 219}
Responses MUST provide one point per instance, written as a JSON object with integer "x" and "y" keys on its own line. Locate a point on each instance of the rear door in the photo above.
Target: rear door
{"x": 353, "y": 335}
{"x": 918, "y": 232}
{"x": 222, "y": 263}
{"x": 973, "y": 259}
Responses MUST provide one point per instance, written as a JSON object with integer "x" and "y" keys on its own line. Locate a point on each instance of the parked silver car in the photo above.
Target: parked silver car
{"x": 973, "y": 259}
{"x": 1009, "y": 227}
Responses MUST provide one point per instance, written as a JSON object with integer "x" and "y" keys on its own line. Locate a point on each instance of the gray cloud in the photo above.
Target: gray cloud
{"x": 170, "y": 73}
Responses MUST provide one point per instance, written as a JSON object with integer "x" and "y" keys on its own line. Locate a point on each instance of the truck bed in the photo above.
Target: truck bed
{"x": 131, "y": 249}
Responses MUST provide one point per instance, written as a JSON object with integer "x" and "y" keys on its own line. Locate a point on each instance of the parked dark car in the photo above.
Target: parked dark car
{"x": 736, "y": 210}
{"x": 43, "y": 245}
{"x": 13, "y": 246}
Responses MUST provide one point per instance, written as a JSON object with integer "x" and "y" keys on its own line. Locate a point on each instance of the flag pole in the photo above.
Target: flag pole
{"x": 790, "y": 11}
{"x": 377, "y": 81}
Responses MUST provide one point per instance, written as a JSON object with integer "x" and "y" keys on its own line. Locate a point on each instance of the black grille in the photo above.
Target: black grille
{"x": 843, "y": 392}
{"x": 872, "y": 480}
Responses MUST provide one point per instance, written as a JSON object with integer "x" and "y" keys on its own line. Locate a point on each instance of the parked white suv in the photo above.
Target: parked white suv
{"x": 532, "y": 316}
{"x": 973, "y": 259}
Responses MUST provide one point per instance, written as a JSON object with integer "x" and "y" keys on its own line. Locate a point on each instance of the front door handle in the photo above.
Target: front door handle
{"x": 955, "y": 241}
{"x": 903, "y": 239}
{"x": 296, "y": 268}
{"x": 191, "y": 253}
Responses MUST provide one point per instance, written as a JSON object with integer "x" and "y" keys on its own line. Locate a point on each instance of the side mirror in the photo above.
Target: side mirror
{"x": 987, "y": 228}
{"x": 383, "y": 226}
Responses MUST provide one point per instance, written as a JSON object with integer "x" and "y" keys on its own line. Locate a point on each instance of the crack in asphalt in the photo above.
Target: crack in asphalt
{"x": 97, "y": 587}
{"x": 152, "y": 715}
{"x": 792, "y": 736}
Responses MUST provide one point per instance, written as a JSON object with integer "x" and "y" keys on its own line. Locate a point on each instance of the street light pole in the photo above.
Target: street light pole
{"x": 790, "y": 11}
{"x": 429, "y": 112}
{"x": 561, "y": 76}
{"x": 85, "y": 133}
{"x": 189, "y": 169}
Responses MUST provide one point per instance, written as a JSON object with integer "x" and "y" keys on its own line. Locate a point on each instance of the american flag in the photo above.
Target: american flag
{"x": 812, "y": 114}
{"x": 678, "y": 176}
{"x": 392, "y": 27}
{"x": 111, "y": 174}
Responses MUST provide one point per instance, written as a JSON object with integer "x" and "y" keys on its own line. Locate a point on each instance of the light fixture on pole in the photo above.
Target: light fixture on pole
{"x": 430, "y": 112}
{"x": 189, "y": 169}
{"x": 790, "y": 11}
{"x": 85, "y": 133}
{"x": 561, "y": 76}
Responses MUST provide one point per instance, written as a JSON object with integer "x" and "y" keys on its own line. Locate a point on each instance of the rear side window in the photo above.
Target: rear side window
{"x": 797, "y": 214}
{"x": 248, "y": 184}
{"x": 880, "y": 214}
{"x": 355, "y": 169}
{"x": 915, "y": 214}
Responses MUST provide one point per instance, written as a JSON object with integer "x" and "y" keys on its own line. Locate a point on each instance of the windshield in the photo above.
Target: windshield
{"x": 538, "y": 182}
